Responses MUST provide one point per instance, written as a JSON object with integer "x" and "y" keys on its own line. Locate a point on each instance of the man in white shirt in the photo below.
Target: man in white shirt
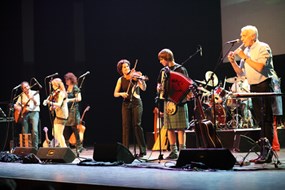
{"x": 257, "y": 65}
{"x": 27, "y": 110}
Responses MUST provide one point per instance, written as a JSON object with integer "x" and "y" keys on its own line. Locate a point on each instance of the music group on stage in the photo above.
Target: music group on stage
{"x": 63, "y": 103}
{"x": 213, "y": 109}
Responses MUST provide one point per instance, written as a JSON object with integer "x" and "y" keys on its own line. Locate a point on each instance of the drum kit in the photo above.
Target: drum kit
{"x": 229, "y": 112}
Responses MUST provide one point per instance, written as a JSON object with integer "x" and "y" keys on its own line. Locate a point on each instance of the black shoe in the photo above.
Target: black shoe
{"x": 172, "y": 155}
{"x": 142, "y": 154}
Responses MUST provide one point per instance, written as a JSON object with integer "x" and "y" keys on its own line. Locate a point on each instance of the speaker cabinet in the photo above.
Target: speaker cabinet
{"x": 24, "y": 151}
{"x": 215, "y": 158}
{"x": 112, "y": 153}
{"x": 56, "y": 154}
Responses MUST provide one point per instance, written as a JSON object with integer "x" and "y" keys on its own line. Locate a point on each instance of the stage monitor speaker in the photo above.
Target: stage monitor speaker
{"x": 112, "y": 153}
{"x": 24, "y": 151}
{"x": 56, "y": 154}
{"x": 214, "y": 158}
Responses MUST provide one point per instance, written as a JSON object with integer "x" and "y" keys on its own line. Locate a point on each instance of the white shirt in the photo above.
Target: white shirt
{"x": 259, "y": 52}
{"x": 23, "y": 100}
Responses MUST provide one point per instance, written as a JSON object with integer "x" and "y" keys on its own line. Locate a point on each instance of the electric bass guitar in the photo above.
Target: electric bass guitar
{"x": 22, "y": 111}
{"x": 81, "y": 129}
{"x": 204, "y": 129}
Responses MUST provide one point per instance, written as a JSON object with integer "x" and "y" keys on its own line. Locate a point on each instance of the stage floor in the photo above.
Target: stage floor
{"x": 148, "y": 173}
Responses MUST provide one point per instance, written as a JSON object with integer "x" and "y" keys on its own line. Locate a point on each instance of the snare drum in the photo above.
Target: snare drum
{"x": 220, "y": 91}
{"x": 220, "y": 94}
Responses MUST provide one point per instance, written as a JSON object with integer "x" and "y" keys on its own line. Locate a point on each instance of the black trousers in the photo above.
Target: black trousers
{"x": 262, "y": 107}
{"x": 131, "y": 118}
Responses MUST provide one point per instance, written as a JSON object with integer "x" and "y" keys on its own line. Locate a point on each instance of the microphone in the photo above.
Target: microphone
{"x": 2, "y": 112}
{"x": 201, "y": 50}
{"x": 37, "y": 82}
{"x": 17, "y": 87}
{"x": 233, "y": 41}
{"x": 52, "y": 75}
{"x": 87, "y": 73}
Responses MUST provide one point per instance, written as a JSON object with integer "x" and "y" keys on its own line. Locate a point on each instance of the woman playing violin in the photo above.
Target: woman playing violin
{"x": 128, "y": 87}
{"x": 59, "y": 104}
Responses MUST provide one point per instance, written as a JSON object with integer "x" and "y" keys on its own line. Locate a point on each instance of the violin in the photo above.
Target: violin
{"x": 136, "y": 75}
{"x": 52, "y": 97}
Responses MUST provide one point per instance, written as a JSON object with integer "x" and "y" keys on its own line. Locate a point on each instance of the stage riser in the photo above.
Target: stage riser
{"x": 231, "y": 139}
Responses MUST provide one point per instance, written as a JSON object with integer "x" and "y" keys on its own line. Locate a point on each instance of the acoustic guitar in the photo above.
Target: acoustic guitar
{"x": 20, "y": 113}
{"x": 204, "y": 129}
{"x": 81, "y": 129}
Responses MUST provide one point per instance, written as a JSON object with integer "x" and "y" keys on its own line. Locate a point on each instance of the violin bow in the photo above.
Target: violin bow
{"x": 128, "y": 89}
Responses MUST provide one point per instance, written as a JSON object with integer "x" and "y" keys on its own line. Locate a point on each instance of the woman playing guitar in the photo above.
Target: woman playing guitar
{"x": 74, "y": 97}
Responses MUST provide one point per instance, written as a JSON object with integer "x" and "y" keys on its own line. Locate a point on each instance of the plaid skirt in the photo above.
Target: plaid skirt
{"x": 179, "y": 120}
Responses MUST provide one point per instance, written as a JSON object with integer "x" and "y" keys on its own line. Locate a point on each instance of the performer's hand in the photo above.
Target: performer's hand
{"x": 17, "y": 107}
{"x": 240, "y": 53}
{"x": 159, "y": 88}
{"x": 190, "y": 96}
{"x": 45, "y": 102}
{"x": 231, "y": 56}
{"x": 124, "y": 94}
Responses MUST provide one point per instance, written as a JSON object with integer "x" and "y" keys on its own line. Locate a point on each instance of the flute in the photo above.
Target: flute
{"x": 238, "y": 49}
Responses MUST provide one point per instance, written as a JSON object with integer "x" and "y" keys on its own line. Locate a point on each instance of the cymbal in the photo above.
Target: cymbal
{"x": 204, "y": 82}
{"x": 203, "y": 89}
{"x": 235, "y": 79}
{"x": 215, "y": 78}
{"x": 201, "y": 81}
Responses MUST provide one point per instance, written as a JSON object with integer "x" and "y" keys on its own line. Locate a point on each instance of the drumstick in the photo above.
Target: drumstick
{"x": 225, "y": 82}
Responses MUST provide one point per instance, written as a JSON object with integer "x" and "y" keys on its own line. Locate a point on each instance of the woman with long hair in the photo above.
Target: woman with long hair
{"x": 58, "y": 103}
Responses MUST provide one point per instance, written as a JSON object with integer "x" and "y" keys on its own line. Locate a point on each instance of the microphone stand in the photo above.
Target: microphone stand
{"x": 10, "y": 115}
{"x": 80, "y": 86}
{"x": 160, "y": 156}
{"x": 190, "y": 57}
{"x": 51, "y": 112}
{"x": 51, "y": 115}
{"x": 81, "y": 82}
{"x": 220, "y": 60}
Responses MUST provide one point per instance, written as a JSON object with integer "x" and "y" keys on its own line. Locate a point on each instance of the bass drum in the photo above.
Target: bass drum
{"x": 220, "y": 113}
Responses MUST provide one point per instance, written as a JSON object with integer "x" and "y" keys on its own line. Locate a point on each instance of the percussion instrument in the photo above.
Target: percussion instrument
{"x": 235, "y": 79}
{"x": 220, "y": 94}
{"x": 241, "y": 86}
{"x": 220, "y": 112}
{"x": 232, "y": 102}
{"x": 212, "y": 81}
{"x": 178, "y": 86}
{"x": 204, "y": 82}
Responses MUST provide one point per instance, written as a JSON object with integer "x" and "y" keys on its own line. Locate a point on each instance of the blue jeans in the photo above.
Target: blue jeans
{"x": 32, "y": 119}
